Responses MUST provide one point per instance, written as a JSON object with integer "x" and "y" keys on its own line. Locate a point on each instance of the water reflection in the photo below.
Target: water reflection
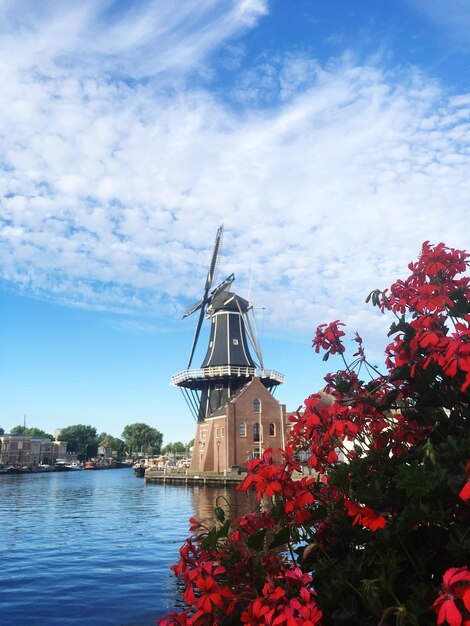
{"x": 95, "y": 548}
{"x": 233, "y": 502}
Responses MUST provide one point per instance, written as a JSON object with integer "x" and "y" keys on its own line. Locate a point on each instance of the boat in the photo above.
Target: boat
{"x": 139, "y": 470}
{"x": 75, "y": 465}
{"x": 61, "y": 465}
{"x": 89, "y": 465}
{"x": 12, "y": 469}
{"x": 42, "y": 467}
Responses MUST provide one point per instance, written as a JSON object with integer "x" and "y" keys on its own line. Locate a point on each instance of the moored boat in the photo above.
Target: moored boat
{"x": 61, "y": 465}
{"x": 139, "y": 470}
{"x": 42, "y": 467}
{"x": 75, "y": 465}
{"x": 12, "y": 469}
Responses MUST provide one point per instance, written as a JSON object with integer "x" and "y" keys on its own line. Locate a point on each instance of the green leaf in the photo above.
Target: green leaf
{"x": 256, "y": 541}
{"x": 374, "y": 296}
{"x": 224, "y": 529}
{"x": 417, "y": 480}
{"x": 219, "y": 514}
{"x": 210, "y": 540}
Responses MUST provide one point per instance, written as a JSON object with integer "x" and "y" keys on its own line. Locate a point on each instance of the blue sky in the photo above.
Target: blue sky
{"x": 330, "y": 138}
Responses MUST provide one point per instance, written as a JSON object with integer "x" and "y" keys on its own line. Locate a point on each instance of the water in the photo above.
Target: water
{"x": 94, "y": 547}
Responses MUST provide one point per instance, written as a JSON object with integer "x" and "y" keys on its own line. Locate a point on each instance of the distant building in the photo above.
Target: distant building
{"x": 30, "y": 451}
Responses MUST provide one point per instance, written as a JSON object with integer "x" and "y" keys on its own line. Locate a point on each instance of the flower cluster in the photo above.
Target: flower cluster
{"x": 453, "y": 605}
{"x": 287, "y": 599}
{"x": 364, "y": 515}
{"x": 378, "y": 513}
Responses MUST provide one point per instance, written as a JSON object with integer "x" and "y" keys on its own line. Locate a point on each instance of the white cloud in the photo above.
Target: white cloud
{"x": 138, "y": 38}
{"x": 112, "y": 191}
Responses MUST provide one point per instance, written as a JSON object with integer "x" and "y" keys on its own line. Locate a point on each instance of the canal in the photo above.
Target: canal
{"x": 95, "y": 547}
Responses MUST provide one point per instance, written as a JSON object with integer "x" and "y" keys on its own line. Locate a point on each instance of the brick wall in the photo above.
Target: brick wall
{"x": 221, "y": 444}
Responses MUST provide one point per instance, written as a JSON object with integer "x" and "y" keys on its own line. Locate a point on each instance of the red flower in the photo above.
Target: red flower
{"x": 364, "y": 515}
{"x": 465, "y": 491}
{"x": 264, "y": 476}
{"x": 455, "y": 592}
{"x": 327, "y": 337}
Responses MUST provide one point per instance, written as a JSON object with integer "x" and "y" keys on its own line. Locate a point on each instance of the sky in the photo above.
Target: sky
{"x": 329, "y": 137}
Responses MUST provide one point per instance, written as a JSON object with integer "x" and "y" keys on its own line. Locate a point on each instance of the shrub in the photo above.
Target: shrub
{"x": 379, "y": 534}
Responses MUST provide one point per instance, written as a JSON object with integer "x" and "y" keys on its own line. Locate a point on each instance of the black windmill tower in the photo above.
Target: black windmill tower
{"x": 228, "y": 364}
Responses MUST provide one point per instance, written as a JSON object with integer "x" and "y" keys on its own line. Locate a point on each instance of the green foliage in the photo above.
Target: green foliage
{"x": 142, "y": 439}
{"x": 417, "y": 545}
{"x": 30, "y": 432}
{"x": 114, "y": 443}
{"x": 177, "y": 448}
{"x": 80, "y": 439}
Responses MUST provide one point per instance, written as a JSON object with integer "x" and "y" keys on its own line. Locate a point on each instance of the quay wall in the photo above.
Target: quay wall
{"x": 153, "y": 475}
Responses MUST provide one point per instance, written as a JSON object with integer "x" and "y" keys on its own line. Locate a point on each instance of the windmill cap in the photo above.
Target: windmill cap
{"x": 228, "y": 301}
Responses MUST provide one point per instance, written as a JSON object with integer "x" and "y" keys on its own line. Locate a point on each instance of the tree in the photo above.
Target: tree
{"x": 2, "y": 432}
{"x": 18, "y": 430}
{"x": 30, "y": 432}
{"x": 142, "y": 439}
{"x": 174, "y": 448}
{"x": 80, "y": 439}
{"x": 114, "y": 443}
{"x": 378, "y": 535}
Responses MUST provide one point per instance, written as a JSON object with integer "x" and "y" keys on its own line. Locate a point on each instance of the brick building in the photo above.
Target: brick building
{"x": 244, "y": 427}
{"x": 30, "y": 451}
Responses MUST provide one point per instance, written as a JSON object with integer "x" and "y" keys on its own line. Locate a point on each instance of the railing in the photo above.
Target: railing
{"x": 225, "y": 370}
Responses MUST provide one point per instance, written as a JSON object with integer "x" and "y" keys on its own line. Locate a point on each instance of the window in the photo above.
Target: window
{"x": 256, "y": 431}
{"x": 256, "y": 406}
{"x": 272, "y": 429}
{"x": 223, "y": 431}
{"x": 243, "y": 429}
{"x": 217, "y": 432}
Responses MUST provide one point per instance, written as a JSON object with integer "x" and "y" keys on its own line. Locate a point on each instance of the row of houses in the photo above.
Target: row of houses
{"x": 30, "y": 451}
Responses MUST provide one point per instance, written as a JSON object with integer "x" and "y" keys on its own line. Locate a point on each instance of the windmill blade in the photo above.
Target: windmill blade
{"x": 223, "y": 285}
{"x": 252, "y": 332}
{"x": 209, "y": 280}
{"x": 193, "y": 308}
{"x": 214, "y": 261}
{"x": 215, "y": 300}
{"x": 196, "y": 334}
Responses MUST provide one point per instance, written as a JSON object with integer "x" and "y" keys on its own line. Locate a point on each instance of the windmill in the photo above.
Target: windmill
{"x": 228, "y": 364}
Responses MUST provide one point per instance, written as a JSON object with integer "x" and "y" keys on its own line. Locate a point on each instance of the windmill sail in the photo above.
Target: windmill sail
{"x": 228, "y": 364}
{"x": 209, "y": 280}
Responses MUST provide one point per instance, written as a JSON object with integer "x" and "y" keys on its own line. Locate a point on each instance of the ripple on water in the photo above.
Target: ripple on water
{"x": 94, "y": 548}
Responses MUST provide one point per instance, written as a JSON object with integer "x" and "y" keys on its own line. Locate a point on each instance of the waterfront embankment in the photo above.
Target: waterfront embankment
{"x": 185, "y": 477}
